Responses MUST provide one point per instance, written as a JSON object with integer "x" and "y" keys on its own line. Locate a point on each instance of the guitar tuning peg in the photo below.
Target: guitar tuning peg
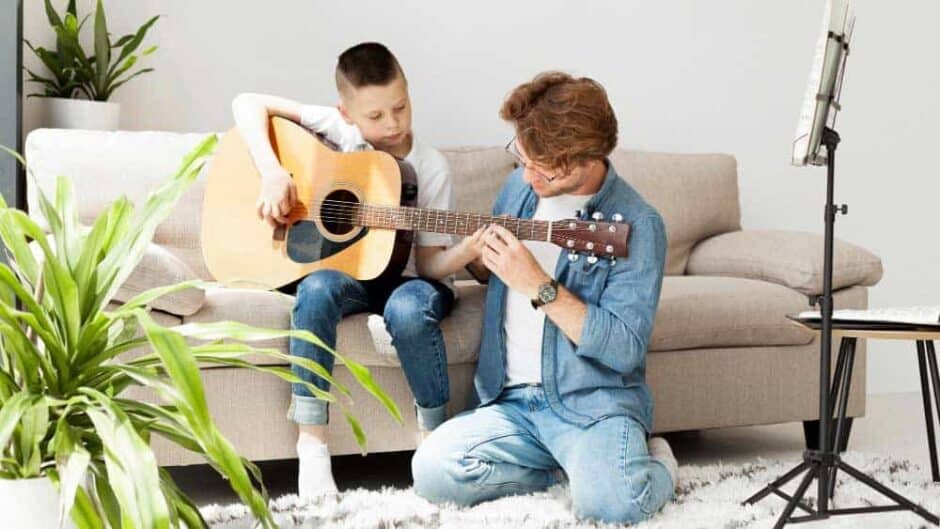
{"x": 573, "y": 256}
{"x": 592, "y": 259}
{"x": 616, "y": 217}
{"x": 613, "y": 261}
{"x": 598, "y": 216}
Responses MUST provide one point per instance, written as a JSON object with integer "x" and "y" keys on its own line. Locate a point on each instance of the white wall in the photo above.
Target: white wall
{"x": 683, "y": 75}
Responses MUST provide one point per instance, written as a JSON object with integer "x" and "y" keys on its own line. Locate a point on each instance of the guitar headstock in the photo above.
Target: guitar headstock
{"x": 593, "y": 237}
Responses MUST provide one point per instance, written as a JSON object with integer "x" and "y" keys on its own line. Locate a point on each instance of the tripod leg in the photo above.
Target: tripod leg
{"x": 900, "y": 500}
{"x": 777, "y": 483}
{"x": 797, "y": 496}
{"x": 935, "y": 376}
{"x": 841, "y": 429}
{"x": 840, "y": 366}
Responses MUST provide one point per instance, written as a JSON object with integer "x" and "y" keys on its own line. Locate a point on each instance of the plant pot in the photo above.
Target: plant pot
{"x": 30, "y": 504}
{"x": 63, "y": 113}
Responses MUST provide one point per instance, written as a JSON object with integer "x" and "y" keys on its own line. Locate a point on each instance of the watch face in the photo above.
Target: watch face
{"x": 547, "y": 293}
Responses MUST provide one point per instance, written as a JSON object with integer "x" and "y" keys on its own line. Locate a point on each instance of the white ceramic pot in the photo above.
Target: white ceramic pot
{"x": 63, "y": 113}
{"x": 29, "y": 504}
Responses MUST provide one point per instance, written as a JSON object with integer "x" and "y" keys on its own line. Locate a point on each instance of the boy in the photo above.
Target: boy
{"x": 374, "y": 112}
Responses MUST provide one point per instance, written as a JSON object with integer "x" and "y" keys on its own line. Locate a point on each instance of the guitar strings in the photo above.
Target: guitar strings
{"x": 349, "y": 212}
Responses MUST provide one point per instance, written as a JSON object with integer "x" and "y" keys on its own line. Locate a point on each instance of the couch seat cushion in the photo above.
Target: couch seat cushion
{"x": 362, "y": 337}
{"x": 699, "y": 311}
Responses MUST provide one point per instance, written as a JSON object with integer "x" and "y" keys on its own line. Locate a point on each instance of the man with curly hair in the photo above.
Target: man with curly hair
{"x": 561, "y": 377}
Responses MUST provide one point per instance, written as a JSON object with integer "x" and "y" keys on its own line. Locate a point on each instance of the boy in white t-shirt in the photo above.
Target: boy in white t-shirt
{"x": 374, "y": 112}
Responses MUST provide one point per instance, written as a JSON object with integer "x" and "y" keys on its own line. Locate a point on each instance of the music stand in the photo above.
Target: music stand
{"x": 815, "y": 129}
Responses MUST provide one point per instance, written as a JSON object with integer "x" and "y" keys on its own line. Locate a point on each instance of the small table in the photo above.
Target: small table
{"x": 850, "y": 332}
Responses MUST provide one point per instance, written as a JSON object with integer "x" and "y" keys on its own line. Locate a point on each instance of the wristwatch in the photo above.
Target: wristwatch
{"x": 546, "y": 294}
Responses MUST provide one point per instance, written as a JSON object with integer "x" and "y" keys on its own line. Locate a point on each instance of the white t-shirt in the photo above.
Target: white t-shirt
{"x": 435, "y": 189}
{"x": 524, "y": 326}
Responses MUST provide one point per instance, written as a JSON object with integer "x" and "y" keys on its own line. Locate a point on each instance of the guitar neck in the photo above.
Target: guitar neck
{"x": 444, "y": 221}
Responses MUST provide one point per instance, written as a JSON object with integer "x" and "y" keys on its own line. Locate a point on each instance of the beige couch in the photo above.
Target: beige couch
{"x": 722, "y": 354}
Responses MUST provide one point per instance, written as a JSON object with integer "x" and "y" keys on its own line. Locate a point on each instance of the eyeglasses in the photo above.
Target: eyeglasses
{"x": 513, "y": 150}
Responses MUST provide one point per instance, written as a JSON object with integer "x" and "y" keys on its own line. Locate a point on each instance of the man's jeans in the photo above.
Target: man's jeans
{"x": 515, "y": 446}
{"x": 413, "y": 309}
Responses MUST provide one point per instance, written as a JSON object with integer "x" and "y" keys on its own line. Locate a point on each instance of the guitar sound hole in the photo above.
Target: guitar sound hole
{"x": 338, "y": 211}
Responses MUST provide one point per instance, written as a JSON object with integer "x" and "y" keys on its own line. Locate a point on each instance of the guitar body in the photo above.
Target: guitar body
{"x": 241, "y": 250}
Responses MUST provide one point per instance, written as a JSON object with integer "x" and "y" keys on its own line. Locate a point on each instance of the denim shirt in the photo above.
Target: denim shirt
{"x": 605, "y": 373}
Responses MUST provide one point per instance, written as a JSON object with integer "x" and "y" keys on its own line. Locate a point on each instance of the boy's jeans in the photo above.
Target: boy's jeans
{"x": 412, "y": 308}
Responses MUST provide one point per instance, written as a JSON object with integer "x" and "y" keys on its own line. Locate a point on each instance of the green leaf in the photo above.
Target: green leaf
{"x": 115, "y": 86}
{"x": 364, "y": 377}
{"x": 34, "y": 424}
{"x": 183, "y": 370}
{"x": 102, "y": 49}
{"x": 84, "y": 514}
{"x": 123, "y": 257}
{"x": 72, "y": 461}
{"x": 10, "y": 414}
{"x": 132, "y": 468}
{"x": 357, "y": 431}
{"x": 51, "y": 14}
{"x": 184, "y": 508}
{"x": 134, "y": 43}
{"x": 15, "y": 241}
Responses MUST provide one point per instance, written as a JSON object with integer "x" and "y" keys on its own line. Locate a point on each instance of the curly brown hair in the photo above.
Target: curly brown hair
{"x": 562, "y": 121}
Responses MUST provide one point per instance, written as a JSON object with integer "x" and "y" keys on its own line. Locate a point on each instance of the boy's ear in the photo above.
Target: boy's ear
{"x": 344, "y": 113}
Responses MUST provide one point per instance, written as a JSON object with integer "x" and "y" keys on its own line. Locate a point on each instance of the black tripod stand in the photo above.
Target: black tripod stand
{"x": 822, "y": 464}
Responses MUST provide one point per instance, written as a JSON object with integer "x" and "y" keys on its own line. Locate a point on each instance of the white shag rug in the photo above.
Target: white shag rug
{"x": 707, "y": 497}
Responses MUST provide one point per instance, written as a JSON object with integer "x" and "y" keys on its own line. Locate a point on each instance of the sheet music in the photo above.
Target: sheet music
{"x": 923, "y": 315}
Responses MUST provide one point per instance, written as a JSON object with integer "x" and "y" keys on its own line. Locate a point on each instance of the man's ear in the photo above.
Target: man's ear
{"x": 344, "y": 112}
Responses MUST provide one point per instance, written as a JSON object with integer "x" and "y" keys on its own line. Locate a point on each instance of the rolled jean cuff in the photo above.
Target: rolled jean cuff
{"x": 308, "y": 410}
{"x": 430, "y": 418}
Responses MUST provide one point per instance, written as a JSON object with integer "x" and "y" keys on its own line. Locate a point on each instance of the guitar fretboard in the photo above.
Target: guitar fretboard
{"x": 434, "y": 220}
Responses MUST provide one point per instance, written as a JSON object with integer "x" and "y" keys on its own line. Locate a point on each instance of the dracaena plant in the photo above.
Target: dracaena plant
{"x": 63, "y": 375}
{"x": 72, "y": 71}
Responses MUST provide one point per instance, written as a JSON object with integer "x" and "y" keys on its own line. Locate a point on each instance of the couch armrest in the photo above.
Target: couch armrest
{"x": 789, "y": 258}
{"x": 158, "y": 268}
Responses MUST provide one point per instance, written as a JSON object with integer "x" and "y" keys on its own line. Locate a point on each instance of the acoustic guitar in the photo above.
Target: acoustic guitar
{"x": 355, "y": 213}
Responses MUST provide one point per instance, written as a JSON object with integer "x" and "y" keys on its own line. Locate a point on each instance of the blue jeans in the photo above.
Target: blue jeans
{"x": 515, "y": 446}
{"x": 413, "y": 309}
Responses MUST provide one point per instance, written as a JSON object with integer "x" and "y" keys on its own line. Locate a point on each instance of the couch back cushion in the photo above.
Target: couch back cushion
{"x": 104, "y": 165}
{"x": 696, "y": 194}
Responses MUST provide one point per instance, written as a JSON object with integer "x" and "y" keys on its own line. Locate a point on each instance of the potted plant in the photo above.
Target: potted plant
{"x": 67, "y": 434}
{"x": 79, "y": 86}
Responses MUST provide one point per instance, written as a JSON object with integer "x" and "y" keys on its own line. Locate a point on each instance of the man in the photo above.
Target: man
{"x": 561, "y": 373}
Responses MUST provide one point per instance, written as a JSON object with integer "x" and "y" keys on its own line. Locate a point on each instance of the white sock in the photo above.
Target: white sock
{"x": 316, "y": 476}
{"x": 659, "y": 449}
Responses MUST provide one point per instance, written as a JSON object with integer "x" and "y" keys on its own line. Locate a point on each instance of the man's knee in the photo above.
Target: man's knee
{"x": 438, "y": 475}
{"x": 629, "y": 500}
{"x": 595, "y": 507}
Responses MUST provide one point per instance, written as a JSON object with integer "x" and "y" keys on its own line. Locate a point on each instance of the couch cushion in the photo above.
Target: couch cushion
{"x": 159, "y": 268}
{"x": 696, "y": 194}
{"x": 362, "y": 337}
{"x": 697, "y": 311}
{"x": 789, "y": 258}
{"x": 105, "y": 165}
